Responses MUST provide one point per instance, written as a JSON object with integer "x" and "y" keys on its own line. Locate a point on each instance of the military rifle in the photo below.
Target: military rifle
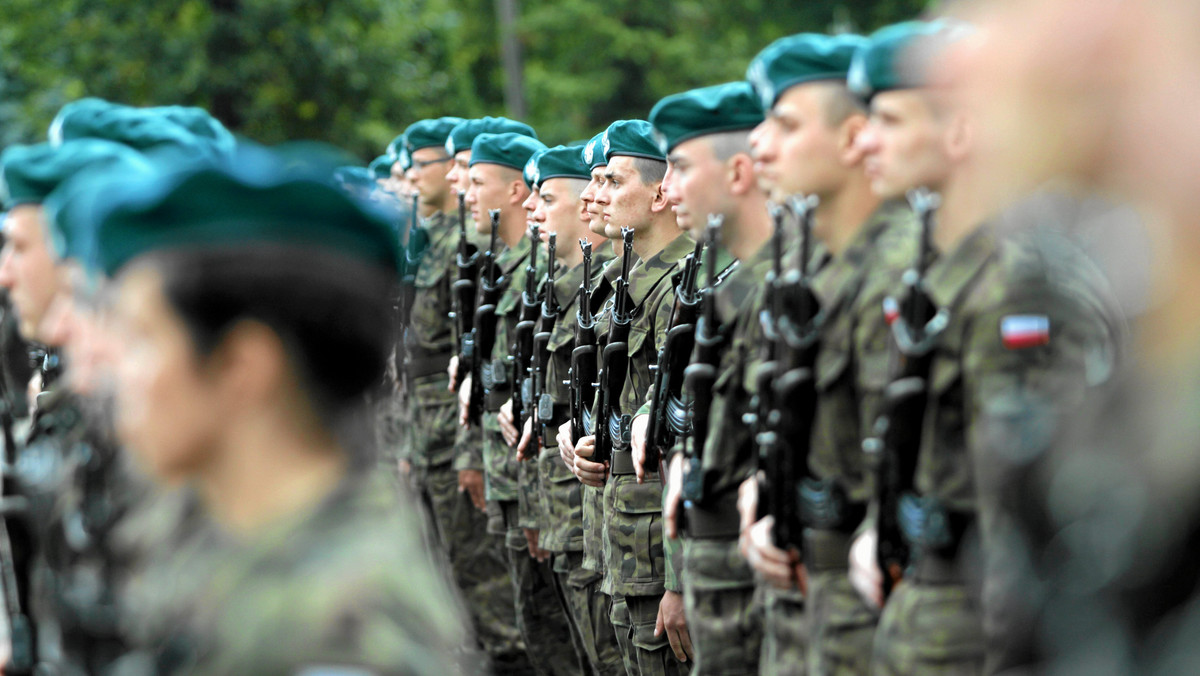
{"x": 668, "y": 410}
{"x": 407, "y": 293}
{"x": 701, "y": 374}
{"x": 916, "y": 324}
{"x": 542, "y": 404}
{"x": 521, "y": 352}
{"x": 790, "y": 398}
{"x": 612, "y": 433}
{"x": 463, "y": 293}
{"x": 582, "y": 374}
{"x": 491, "y": 287}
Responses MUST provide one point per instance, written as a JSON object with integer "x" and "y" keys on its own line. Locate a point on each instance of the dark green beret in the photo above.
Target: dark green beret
{"x": 464, "y": 132}
{"x": 508, "y": 150}
{"x": 200, "y": 123}
{"x": 397, "y": 151}
{"x": 264, "y": 196}
{"x": 74, "y": 120}
{"x": 70, "y": 209}
{"x": 28, "y": 174}
{"x": 882, "y": 62}
{"x": 562, "y": 162}
{"x": 708, "y": 110}
{"x": 593, "y": 151}
{"x": 530, "y": 172}
{"x": 141, "y": 129}
{"x": 633, "y": 138}
{"x": 381, "y": 167}
{"x": 807, "y": 57}
{"x": 429, "y": 133}
{"x": 355, "y": 178}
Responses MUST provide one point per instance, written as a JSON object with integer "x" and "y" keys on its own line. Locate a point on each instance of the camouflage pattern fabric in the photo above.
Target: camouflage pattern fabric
{"x": 645, "y": 654}
{"x": 841, "y": 627}
{"x": 590, "y": 610}
{"x": 541, "y": 618}
{"x": 929, "y": 629}
{"x": 785, "y": 633}
{"x": 724, "y": 621}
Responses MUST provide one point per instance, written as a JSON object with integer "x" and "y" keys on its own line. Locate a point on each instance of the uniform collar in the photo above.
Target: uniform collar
{"x": 842, "y": 275}
{"x": 646, "y": 277}
{"x": 949, "y": 275}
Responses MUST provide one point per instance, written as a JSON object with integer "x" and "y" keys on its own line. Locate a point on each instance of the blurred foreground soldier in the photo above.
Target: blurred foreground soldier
{"x": 870, "y": 242}
{"x": 1106, "y": 520}
{"x": 994, "y": 343}
{"x": 455, "y": 495}
{"x": 647, "y": 616}
{"x": 226, "y": 283}
{"x": 705, "y": 134}
{"x": 68, "y": 472}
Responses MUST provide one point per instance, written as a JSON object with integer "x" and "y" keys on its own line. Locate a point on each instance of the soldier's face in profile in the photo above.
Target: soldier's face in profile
{"x": 457, "y": 176}
{"x": 796, "y": 150}
{"x": 592, "y": 211}
{"x": 26, "y": 268}
{"x": 698, "y": 184}
{"x": 558, "y": 210}
{"x": 428, "y": 175}
{"x": 625, "y": 200}
{"x": 903, "y": 144}
{"x": 530, "y": 206}
{"x": 169, "y": 403}
{"x": 492, "y": 187}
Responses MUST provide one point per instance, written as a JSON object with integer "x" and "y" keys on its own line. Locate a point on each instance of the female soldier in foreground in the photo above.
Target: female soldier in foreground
{"x": 250, "y": 301}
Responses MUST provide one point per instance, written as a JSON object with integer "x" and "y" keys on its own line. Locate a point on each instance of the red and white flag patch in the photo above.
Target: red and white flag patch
{"x": 1022, "y": 331}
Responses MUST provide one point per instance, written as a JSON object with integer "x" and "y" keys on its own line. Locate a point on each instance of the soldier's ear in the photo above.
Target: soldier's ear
{"x": 739, "y": 173}
{"x": 518, "y": 192}
{"x": 849, "y": 149}
{"x": 960, "y": 137}
{"x": 660, "y": 202}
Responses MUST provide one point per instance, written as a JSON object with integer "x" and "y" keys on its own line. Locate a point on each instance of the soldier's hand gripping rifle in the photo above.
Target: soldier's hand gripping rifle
{"x": 916, "y": 324}
{"x": 790, "y": 398}
{"x": 582, "y": 373}
{"x": 521, "y": 352}
{"x": 463, "y": 293}
{"x": 668, "y": 410}
{"x": 611, "y": 430}
{"x": 491, "y": 287}
{"x": 701, "y": 374}
{"x": 544, "y": 426}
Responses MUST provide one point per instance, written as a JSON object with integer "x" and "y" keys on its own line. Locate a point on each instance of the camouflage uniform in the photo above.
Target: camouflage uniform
{"x": 634, "y": 558}
{"x": 477, "y": 561}
{"x": 540, "y": 618}
{"x": 561, "y": 494}
{"x": 1026, "y": 322}
{"x": 851, "y": 372}
{"x": 344, "y": 586}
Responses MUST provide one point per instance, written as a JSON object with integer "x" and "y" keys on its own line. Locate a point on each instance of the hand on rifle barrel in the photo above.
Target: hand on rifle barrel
{"x": 865, "y": 575}
{"x": 452, "y": 371}
{"x": 637, "y": 441}
{"x": 523, "y": 444}
{"x": 566, "y": 447}
{"x": 464, "y": 401}
{"x": 508, "y": 428}
{"x": 781, "y": 568}
{"x": 590, "y": 473}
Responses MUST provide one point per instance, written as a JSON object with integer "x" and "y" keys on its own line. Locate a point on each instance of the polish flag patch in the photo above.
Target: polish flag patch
{"x": 1022, "y": 331}
{"x": 891, "y": 310}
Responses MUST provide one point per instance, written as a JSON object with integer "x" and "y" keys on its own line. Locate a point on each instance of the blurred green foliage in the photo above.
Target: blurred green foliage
{"x": 356, "y": 72}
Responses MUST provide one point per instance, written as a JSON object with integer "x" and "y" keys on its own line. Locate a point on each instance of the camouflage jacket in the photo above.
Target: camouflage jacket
{"x": 852, "y": 361}
{"x": 345, "y": 584}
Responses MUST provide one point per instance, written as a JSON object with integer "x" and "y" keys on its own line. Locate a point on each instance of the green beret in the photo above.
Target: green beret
{"x": 264, "y": 196}
{"x": 708, "y": 110}
{"x": 530, "y": 172}
{"x": 508, "y": 150}
{"x": 28, "y": 174}
{"x": 882, "y": 62}
{"x": 69, "y": 210}
{"x": 139, "y": 128}
{"x": 381, "y": 167}
{"x": 634, "y": 138}
{"x": 75, "y": 119}
{"x": 200, "y": 123}
{"x": 593, "y": 151}
{"x": 429, "y": 133}
{"x": 562, "y": 162}
{"x": 355, "y": 178}
{"x": 464, "y": 132}
{"x": 797, "y": 59}
{"x": 397, "y": 151}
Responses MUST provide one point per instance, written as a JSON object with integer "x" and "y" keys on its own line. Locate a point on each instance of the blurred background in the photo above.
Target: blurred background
{"x": 356, "y": 72}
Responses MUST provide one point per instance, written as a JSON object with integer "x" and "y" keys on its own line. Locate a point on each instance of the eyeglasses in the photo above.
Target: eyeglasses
{"x": 418, "y": 164}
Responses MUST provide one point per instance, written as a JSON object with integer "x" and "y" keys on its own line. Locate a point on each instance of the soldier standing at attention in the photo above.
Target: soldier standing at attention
{"x": 1023, "y": 330}
{"x": 647, "y": 617}
{"x": 871, "y": 243}
{"x": 475, "y": 559}
{"x": 705, "y": 133}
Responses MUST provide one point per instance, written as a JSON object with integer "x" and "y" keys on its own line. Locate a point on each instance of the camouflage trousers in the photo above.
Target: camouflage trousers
{"x": 785, "y": 632}
{"x": 841, "y": 627}
{"x": 478, "y": 564}
{"x": 540, "y": 617}
{"x": 724, "y": 621}
{"x": 588, "y": 610}
{"x": 633, "y": 619}
{"x": 929, "y": 629}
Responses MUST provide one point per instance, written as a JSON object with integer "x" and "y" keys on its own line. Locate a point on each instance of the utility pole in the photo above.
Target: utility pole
{"x": 510, "y": 54}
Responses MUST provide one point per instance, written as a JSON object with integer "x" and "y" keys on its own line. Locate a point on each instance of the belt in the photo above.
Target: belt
{"x": 934, "y": 569}
{"x": 427, "y": 364}
{"x": 826, "y": 550}
{"x": 715, "y": 519}
{"x": 621, "y": 463}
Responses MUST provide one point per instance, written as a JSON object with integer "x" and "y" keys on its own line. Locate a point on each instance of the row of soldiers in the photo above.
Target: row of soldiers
{"x": 757, "y": 405}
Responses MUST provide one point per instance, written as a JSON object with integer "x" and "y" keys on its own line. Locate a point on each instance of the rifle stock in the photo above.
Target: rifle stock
{"x": 583, "y": 371}
{"x": 491, "y": 287}
{"x": 615, "y": 359}
{"x": 463, "y": 293}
